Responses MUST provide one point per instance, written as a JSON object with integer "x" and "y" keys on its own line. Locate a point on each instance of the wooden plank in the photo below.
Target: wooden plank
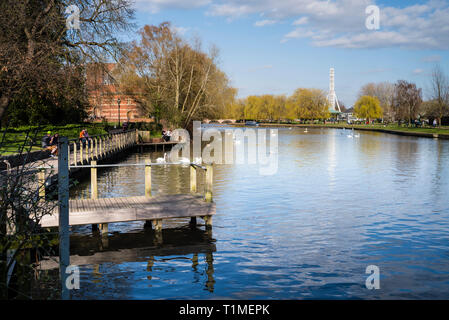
{"x": 111, "y": 210}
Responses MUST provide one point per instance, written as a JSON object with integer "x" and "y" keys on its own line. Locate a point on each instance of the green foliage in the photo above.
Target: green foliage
{"x": 33, "y": 110}
{"x": 368, "y": 107}
{"x": 13, "y": 138}
{"x": 308, "y": 104}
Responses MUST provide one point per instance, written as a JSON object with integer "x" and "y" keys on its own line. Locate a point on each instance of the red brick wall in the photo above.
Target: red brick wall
{"x": 103, "y": 99}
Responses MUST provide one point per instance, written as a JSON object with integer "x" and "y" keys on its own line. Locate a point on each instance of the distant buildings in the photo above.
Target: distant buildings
{"x": 104, "y": 94}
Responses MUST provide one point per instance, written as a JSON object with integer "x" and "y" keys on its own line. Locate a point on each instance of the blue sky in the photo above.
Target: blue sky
{"x": 276, "y": 46}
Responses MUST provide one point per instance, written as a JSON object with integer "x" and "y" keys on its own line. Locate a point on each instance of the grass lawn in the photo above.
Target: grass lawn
{"x": 395, "y": 127}
{"x": 14, "y": 140}
{"x": 391, "y": 127}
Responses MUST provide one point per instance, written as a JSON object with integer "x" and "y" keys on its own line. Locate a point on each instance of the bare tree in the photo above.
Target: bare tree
{"x": 173, "y": 77}
{"x": 407, "y": 100}
{"x": 34, "y": 40}
{"x": 439, "y": 104}
{"x": 384, "y": 91}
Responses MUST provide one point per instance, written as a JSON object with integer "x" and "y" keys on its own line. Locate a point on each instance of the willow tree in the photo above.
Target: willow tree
{"x": 308, "y": 104}
{"x": 368, "y": 107}
{"x": 172, "y": 77}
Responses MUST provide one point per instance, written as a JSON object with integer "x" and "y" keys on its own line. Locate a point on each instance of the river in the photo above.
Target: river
{"x": 335, "y": 206}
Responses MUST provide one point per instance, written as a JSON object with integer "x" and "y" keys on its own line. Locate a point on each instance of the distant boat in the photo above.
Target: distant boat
{"x": 251, "y": 123}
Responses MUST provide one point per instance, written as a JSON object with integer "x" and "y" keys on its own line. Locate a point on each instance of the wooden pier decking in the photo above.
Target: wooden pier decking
{"x": 147, "y": 208}
{"x": 110, "y": 210}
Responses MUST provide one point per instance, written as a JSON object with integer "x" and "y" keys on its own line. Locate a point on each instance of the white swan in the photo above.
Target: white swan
{"x": 306, "y": 130}
{"x": 357, "y": 135}
{"x": 350, "y": 136}
{"x": 162, "y": 160}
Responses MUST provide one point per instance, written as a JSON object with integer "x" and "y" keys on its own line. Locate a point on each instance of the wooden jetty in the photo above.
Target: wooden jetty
{"x": 104, "y": 147}
{"x": 110, "y": 210}
{"x": 147, "y": 208}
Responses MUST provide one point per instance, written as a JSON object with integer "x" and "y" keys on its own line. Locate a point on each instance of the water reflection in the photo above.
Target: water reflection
{"x": 97, "y": 258}
{"x": 335, "y": 206}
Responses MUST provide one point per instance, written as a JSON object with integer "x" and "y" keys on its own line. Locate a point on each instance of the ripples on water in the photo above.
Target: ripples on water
{"x": 335, "y": 206}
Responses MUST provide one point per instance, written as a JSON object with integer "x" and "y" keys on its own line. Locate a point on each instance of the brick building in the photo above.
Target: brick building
{"x": 103, "y": 98}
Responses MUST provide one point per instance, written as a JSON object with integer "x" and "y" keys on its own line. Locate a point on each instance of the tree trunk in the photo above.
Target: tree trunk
{"x": 4, "y": 100}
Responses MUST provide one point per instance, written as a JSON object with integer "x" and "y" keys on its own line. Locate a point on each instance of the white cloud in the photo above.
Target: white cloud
{"x": 300, "y": 21}
{"x": 341, "y": 23}
{"x": 179, "y": 30}
{"x": 338, "y": 23}
{"x": 263, "y": 23}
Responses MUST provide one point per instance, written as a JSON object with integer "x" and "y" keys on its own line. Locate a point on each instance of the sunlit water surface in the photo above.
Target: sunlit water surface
{"x": 335, "y": 206}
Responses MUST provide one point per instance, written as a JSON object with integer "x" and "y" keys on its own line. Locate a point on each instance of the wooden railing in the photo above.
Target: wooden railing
{"x": 98, "y": 147}
{"x": 157, "y": 224}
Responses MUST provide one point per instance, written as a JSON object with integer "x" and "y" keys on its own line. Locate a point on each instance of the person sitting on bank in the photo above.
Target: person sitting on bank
{"x": 46, "y": 140}
{"x": 166, "y": 135}
{"x": 81, "y": 137}
{"x": 84, "y": 137}
{"x": 54, "y": 145}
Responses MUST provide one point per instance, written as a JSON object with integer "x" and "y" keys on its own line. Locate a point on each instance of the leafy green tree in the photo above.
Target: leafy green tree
{"x": 308, "y": 104}
{"x": 368, "y": 107}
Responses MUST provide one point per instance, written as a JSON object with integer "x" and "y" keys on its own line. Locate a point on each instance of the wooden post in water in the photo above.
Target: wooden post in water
{"x": 193, "y": 189}
{"x": 209, "y": 182}
{"x": 148, "y": 223}
{"x": 93, "y": 187}
{"x": 148, "y": 178}
{"x": 63, "y": 201}
{"x": 208, "y": 193}
{"x": 93, "y": 180}
{"x": 192, "y": 179}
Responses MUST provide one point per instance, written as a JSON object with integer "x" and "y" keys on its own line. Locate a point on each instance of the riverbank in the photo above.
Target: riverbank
{"x": 20, "y": 140}
{"x": 435, "y": 133}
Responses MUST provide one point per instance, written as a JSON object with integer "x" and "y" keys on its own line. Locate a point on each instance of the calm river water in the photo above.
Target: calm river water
{"x": 335, "y": 206}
